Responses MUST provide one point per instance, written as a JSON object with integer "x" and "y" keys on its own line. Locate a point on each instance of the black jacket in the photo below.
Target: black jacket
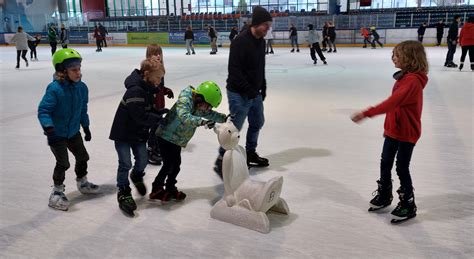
{"x": 421, "y": 30}
{"x": 247, "y": 66}
{"x": 212, "y": 33}
{"x": 332, "y": 32}
{"x": 293, "y": 31}
{"x": 135, "y": 114}
{"x": 375, "y": 34}
{"x": 453, "y": 31}
{"x": 440, "y": 28}
{"x": 232, "y": 34}
{"x": 188, "y": 35}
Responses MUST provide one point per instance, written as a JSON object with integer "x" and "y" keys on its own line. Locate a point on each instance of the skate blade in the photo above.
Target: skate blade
{"x": 62, "y": 208}
{"x": 130, "y": 214}
{"x": 157, "y": 201}
{"x": 257, "y": 165}
{"x": 397, "y": 220}
{"x": 372, "y": 209}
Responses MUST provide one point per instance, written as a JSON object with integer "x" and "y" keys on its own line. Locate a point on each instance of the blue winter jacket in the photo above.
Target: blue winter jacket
{"x": 64, "y": 107}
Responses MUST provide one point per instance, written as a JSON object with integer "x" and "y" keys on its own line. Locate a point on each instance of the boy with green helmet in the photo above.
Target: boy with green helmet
{"x": 192, "y": 109}
{"x": 61, "y": 112}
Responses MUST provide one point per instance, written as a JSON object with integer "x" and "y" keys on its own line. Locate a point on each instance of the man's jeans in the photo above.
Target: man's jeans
{"x": 125, "y": 161}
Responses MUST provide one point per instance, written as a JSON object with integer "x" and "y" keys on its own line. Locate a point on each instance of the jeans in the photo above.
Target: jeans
{"x": 125, "y": 162}
{"x": 241, "y": 108}
{"x": 403, "y": 151}
{"x": 451, "y": 51}
{"x": 294, "y": 41}
{"x": 77, "y": 148}
{"x": 189, "y": 46}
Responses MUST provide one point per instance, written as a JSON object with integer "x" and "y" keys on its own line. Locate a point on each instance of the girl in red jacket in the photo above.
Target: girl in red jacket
{"x": 466, "y": 38}
{"x": 402, "y": 128}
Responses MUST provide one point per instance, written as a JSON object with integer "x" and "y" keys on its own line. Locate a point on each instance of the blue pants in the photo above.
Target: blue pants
{"x": 125, "y": 161}
{"x": 241, "y": 108}
{"x": 403, "y": 151}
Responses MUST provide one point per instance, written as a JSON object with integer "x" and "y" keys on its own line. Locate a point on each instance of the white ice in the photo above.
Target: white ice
{"x": 329, "y": 164}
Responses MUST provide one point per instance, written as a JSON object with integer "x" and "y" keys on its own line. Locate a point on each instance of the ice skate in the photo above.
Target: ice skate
{"x": 324, "y": 62}
{"x": 315, "y": 62}
{"x": 137, "y": 180}
{"x": 175, "y": 194}
{"x": 154, "y": 156}
{"x": 254, "y": 160}
{"x": 126, "y": 202}
{"x": 461, "y": 65}
{"x": 57, "y": 199}
{"x": 383, "y": 197}
{"x": 292, "y": 50}
{"x": 86, "y": 187}
{"x": 159, "y": 194}
{"x": 406, "y": 208}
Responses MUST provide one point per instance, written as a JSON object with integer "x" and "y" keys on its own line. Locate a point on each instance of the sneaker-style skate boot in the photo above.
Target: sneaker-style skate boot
{"x": 125, "y": 201}
{"x": 86, "y": 187}
{"x": 383, "y": 197}
{"x": 253, "y": 159}
{"x": 406, "y": 208}
{"x": 57, "y": 199}
{"x": 137, "y": 180}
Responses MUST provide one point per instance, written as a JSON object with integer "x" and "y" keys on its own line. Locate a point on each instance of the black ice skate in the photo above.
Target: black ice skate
{"x": 254, "y": 160}
{"x": 126, "y": 202}
{"x": 406, "y": 208}
{"x": 383, "y": 196}
{"x": 461, "y": 65}
{"x": 137, "y": 180}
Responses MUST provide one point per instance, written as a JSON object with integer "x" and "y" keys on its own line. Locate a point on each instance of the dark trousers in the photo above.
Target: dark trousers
{"x": 33, "y": 53}
{"x": 98, "y": 43}
{"x": 451, "y": 51}
{"x": 171, "y": 155}
{"x": 420, "y": 37}
{"x": 366, "y": 40}
{"x": 77, "y": 148}
{"x": 439, "y": 37}
{"x": 153, "y": 139}
{"x": 403, "y": 151}
{"x": 376, "y": 40}
{"x": 332, "y": 42}
{"x": 315, "y": 48}
{"x": 465, "y": 50}
{"x": 23, "y": 56}
{"x": 53, "y": 45}
{"x": 325, "y": 42}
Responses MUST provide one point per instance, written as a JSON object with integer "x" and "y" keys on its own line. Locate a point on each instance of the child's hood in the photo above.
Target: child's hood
{"x": 423, "y": 77}
{"x": 134, "y": 79}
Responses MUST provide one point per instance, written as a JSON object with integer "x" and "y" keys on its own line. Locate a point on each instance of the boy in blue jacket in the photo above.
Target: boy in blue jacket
{"x": 61, "y": 112}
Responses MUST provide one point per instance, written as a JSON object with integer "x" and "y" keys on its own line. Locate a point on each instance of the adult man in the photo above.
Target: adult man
{"x": 246, "y": 84}
{"x": 439, "y": 32}
{"x": 452, "y": 40}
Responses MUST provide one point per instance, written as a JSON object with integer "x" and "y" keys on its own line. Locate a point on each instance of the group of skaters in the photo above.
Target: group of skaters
{"x": 465, "y": 38}
{"x": 100, "y": 35}
{"x": 368, "y": 35}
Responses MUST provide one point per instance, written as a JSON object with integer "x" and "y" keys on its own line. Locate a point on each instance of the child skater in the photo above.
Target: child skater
{"x": 402, "y": 128}
{"x": 191, "y": 110}
{"x": 313, "y": 40}
{"x": 32, "y": 44}
{"x": 61, "y": 112}
{"x": 154, "y": 156}
{"x": 130, "y": 128}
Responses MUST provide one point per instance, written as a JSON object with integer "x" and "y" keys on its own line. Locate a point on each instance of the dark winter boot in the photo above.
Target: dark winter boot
{"x": 383, "y": 196}
{"x": 137, "y": 180}
{"x": 406, "y": 208}
{"x": 461, "y": 65}
{"x": 218, "y": 167}
{"x": 253, "y": 159}
{"x": 125, "y": 201}
{"x": 292, "y": 50}
{"x": 315, "y": 61}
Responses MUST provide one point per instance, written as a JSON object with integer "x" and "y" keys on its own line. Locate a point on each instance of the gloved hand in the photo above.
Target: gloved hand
{"x": 208, "y": 123}
{"x": 87, "y": 134}
{"x": 51, "y": 135}
{"x": 169, "y": 93}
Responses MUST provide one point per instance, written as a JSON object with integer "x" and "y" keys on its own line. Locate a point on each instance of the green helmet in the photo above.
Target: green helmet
{"x": 64, "y": 54}
{"x": 211, "y": 93}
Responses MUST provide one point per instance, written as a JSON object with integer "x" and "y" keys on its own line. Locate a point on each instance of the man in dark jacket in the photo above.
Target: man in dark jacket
{"x": 233, "y": 33}
{"x": 421, "y": 31}
{"x": 103, "y": 33}
{"x": 452, "y": 40}
{"x": 439, "y": 32}
{"x": 246, "y": 84}
{"x": 132, "y": 122}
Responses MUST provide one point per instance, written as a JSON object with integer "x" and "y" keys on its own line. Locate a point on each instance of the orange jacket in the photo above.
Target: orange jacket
{"x": 364, "y": 32}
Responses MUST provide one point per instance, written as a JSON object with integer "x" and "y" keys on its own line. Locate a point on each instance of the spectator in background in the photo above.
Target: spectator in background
{"x": 233, "y": 33}
{"x": 452, "y": 40}
{"x": 421, "y": 32}
{"x": 189, "y": 38}
{"x": 98, "y": 39}
{"x": 325, "y": 36}
{"x": 52, "y": 38}
{"x": 213, "y": 37}
{"x": 439, "y": 32}
{"x": 269, "y": 39}
{"x": 331, "y": 37}
{"x": 103, "y": 33}
{"x": 294, "y": 38}
{"x": 64, "y": 36}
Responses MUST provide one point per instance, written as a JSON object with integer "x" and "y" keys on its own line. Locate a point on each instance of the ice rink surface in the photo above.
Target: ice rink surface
{"x": 329, "y": 164}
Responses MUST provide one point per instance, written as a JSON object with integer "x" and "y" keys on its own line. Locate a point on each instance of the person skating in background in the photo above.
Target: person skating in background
{"x": 61, "y": 113}
{"x": 466, "y": 40}
{"x": 325, "y": 36}
{"x": 20, "y": 39}
{"x": 331, "y": 37}
{"x": 130, "y": 129}
{"x": 103, "y": 33}
{"x": 64, "y": 36}
{"x": 402, "y": 128}
{"x": 376, "y": 37}
{"x": 52, "y": 38}
{"x": 32, "y": 44}
{"x": 213, "y": 37}
{"x": 452, "y": 41}
{"x": 247, "y": 86}
{"x": 189, "y": 38}
{"x": 233, "y": 33}
{"x": 192, "y": 109}
{"x": 269, "y": 41}
{"x": 313, "y": 40}
{"x": 366, "y": 35}
{"x": 98, "y": 39}
{"x": 421, "y": 32}
{"x": 294, "y": 38}
{"x": 439, "y": 32}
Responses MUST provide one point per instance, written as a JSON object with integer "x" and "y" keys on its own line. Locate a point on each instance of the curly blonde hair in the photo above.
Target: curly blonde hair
{"x": 412, "y": 56}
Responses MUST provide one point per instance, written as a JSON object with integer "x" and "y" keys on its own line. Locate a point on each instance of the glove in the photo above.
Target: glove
{"x": 87, "y": 133}
{"x": 208, "y": 123}
{"x": 169, "y": 93}
{"x": 51, "y": 135}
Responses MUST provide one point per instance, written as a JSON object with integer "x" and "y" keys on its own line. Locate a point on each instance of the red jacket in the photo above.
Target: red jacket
{"x": 403, "y": 108}
{"x": 466, "y": 37}
{"x": 364, "y": 32}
